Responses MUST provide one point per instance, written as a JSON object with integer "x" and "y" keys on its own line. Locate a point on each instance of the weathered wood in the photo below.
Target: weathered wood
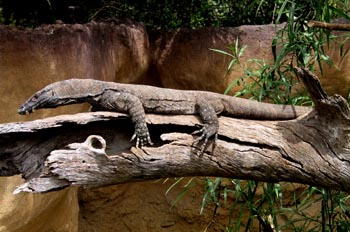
{"x": 329, "y": 26}
{"x": 313, "y": 149}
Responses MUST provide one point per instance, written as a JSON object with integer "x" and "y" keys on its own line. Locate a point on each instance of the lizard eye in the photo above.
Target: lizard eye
{"x": 35, "y": 98}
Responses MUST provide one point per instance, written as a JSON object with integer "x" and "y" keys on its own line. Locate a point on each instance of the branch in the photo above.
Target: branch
{"x": 329, "y": 26}
{"x": 93, "y": 149}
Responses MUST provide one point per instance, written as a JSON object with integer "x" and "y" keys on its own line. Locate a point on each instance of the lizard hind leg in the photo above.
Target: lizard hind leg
{"x": 210, "y": 124}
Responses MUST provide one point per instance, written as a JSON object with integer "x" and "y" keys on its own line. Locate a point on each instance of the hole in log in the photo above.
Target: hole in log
{"x": 96, "y": 143}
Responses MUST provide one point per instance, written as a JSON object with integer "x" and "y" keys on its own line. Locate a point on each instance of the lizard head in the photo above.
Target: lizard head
{"x": 52, "y": 96}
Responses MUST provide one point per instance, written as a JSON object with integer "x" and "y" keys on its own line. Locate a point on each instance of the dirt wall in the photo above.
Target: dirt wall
{"x": 30, "y": 59}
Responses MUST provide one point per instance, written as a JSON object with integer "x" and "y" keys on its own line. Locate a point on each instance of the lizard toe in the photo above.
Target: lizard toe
{"x": 201, "y": 130}
{"x": 142, "y": 140}
{"x": 206, "y": 133}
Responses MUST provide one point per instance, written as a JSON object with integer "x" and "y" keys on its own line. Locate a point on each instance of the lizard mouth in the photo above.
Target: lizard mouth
{"x": 23, "y": 110}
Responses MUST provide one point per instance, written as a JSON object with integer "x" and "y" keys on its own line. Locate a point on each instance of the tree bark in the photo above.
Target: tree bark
{"x": 329, "y": 26}
{"x": 93, "y": 149}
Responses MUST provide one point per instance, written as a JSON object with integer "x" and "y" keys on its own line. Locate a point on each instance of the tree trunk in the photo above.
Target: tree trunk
{"x": 313, "y": 149}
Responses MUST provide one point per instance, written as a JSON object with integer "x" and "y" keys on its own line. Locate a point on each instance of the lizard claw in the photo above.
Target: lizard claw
{"x": 142, "y": 139}
{"x": 207, "y": 131}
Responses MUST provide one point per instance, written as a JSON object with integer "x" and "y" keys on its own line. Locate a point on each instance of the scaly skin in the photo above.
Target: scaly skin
{"x": 138, "y": 99}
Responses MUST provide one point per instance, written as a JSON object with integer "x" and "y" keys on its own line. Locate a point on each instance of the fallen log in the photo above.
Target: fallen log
{"x": 93, "y": 149}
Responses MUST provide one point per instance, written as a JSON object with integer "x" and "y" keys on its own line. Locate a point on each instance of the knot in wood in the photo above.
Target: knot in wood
{"x": 96, "y": 144}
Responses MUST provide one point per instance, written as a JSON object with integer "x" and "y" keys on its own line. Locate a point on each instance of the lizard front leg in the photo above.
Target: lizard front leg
{"x": 128, "y": 103}
{"x": 210, "y": 126}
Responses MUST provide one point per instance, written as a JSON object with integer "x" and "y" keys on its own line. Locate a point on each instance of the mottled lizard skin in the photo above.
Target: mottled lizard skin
{"x": 136, "y": 100}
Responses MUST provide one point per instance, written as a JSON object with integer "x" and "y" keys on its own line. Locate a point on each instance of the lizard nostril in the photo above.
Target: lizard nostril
{"x": 22, "y": 110}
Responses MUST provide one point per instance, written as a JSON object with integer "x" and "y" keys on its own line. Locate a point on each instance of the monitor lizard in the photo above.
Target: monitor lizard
{"x": 138, "y": 99}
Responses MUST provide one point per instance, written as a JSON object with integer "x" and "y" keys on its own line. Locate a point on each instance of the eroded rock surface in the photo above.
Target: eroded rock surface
{"x": 31, "y": 59}
{"x": 183, "y": 59}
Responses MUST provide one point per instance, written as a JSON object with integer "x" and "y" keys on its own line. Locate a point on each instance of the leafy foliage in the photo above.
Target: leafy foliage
{"x": 295, "y": 45}
{"x": 37, "y": 12}
{"x": 155, "y": 14}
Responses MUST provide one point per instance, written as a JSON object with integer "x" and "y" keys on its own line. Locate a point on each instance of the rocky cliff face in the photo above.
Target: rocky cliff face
{"x": 183, "y": 58}
{"x": 30, "y": 59}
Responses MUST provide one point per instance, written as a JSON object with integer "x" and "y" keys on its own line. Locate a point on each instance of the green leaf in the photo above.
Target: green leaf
{"x": 242, "y": 50}
{"x": 222, "y": 52}
{"x": 174, "y": 184}
{"x": 230, "y": 65}
{"x": 339, "y": 13}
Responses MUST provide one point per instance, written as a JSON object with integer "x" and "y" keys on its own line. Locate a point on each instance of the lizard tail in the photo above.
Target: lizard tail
{"x": 245, "y": 108}
{"x": 283, "y": 112}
